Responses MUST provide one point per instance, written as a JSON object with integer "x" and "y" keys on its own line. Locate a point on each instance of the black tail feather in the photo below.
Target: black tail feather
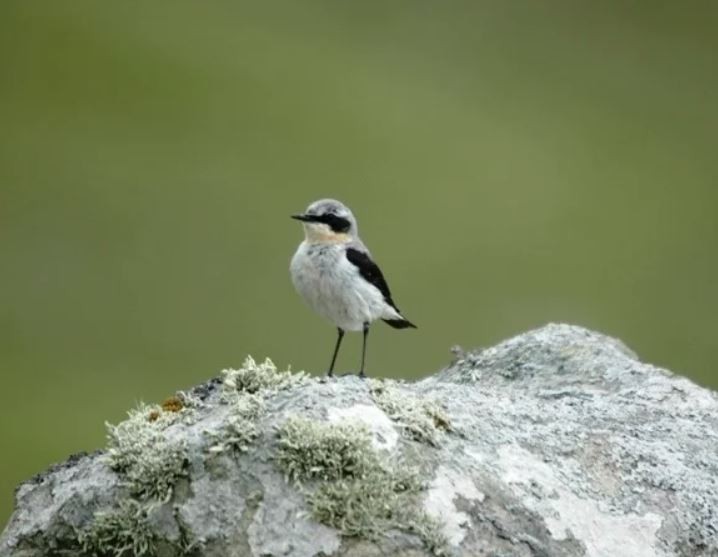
{"x": 400, "y": 323}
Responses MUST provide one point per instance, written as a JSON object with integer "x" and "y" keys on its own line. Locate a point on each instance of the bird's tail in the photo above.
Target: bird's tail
{"x": 400, "y": 323}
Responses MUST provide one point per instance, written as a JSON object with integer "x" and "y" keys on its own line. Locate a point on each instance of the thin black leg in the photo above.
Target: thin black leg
{"x": 363, "y": 350}
{"x": 340, "y": 336}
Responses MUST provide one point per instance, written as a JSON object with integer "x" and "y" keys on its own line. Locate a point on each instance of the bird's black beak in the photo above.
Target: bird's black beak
{"x": 304, "y": 218}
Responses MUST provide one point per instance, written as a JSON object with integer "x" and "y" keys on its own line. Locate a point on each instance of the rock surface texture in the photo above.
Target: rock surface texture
{"x": 558, "y": 442}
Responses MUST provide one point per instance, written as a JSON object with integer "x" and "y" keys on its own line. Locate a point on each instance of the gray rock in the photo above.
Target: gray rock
{"x": 558, "y": 442}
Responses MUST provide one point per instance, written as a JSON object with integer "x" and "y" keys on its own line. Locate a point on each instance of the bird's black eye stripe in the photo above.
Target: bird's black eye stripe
{"x": 335, "y": 222}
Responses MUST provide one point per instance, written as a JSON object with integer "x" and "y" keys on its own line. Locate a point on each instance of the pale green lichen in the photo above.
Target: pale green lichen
{"x": 256, "y": 378}
{"x": 245, "y": 391}
{"x": 349, "y": 485}
{"x": 420, "y": 418}
{"x": 126, "y": 531}
{"x": 431, "y": 532}
{"x": 150, "y": 455}
{"x": 121, "y": 532}
{"x": 309, "y": 449}
{"x": 365, "y": 505}
{"x": 149, "y": 460}
{"x": 240, "y": 428}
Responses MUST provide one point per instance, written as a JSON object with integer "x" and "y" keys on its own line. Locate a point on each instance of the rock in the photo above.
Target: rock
{"x": 558, "y": 442}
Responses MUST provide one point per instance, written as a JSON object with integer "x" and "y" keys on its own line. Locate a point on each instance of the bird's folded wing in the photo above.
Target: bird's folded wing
{"x": 370, "y": 272}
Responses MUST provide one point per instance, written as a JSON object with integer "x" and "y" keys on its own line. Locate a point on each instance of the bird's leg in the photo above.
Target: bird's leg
{"x": 363, "y": 351}
{"x": 340, "y": 336}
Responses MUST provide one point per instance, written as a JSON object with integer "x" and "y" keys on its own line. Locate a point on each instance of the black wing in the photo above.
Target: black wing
{"x": 370, "y": 272}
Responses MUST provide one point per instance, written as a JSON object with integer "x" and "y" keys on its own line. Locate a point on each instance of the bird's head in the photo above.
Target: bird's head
{"x": 328, "y": 221}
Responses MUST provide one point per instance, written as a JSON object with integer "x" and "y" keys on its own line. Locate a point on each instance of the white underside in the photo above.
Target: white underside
{"x": 333, "y": 287}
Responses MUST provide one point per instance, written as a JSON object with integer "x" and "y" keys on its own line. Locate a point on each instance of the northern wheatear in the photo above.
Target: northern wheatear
{"x": 334, "y": 273}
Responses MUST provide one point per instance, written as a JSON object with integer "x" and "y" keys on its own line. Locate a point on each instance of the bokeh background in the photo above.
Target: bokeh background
{"x": 511, "y": 164}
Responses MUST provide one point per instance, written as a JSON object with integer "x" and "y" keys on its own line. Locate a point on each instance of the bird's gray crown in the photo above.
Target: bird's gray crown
{"x": 333, "y": 213}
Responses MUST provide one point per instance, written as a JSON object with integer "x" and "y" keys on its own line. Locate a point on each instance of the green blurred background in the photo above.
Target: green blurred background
{"x": 510, "y": 163}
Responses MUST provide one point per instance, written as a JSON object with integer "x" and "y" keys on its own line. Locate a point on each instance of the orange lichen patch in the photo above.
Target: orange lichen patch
{"x": 172, "y": 404}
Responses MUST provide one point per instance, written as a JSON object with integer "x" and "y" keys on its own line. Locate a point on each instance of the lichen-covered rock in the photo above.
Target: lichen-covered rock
{"x": 558, "y": 442}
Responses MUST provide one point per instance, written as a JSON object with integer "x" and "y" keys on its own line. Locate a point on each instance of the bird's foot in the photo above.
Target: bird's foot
{"x": 360, "y": 375}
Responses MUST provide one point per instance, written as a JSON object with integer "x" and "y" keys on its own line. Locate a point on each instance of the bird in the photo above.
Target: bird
{"x": 335, "y": 274}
